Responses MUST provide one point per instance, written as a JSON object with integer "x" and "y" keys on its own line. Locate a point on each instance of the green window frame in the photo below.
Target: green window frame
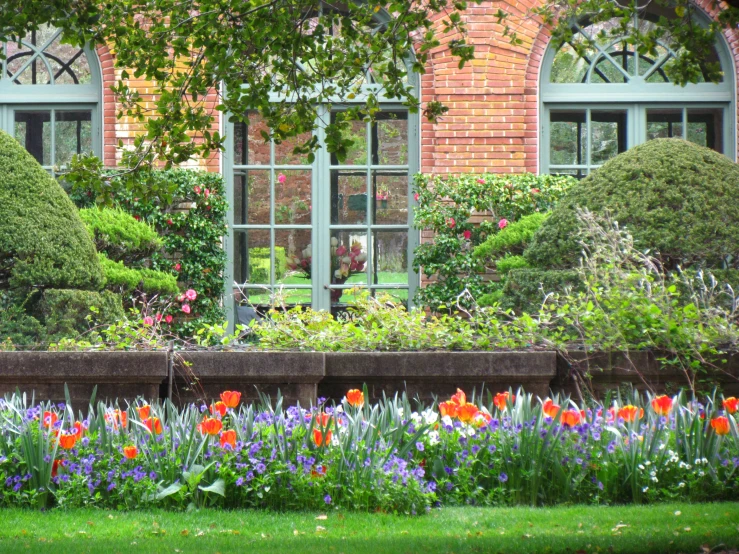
{"x": 608, "y": 99}
{"x": 51, "y": 97}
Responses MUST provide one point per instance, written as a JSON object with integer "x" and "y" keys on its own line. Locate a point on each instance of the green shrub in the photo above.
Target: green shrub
{"x": 120, "y": 235}
{"x": 67, "y": 313}
{"x": 124, "y": 279}
{"x": 445, "y": 205}
{"x": 18, "y": 328}
{"x": 525, "y": 289}
{"x": 507, "y": 263}
{"x": 43, "y": 242}
{"x": 513, "y": 239}
{"x": 259, "y": 264}
{"x": 677, "y": 199}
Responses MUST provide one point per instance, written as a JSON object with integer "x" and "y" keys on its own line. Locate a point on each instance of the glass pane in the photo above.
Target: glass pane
{"x": 251, "y": 257}
{"x": 257, "y": 151}
{"x": 397, "y": 296}
{"x": 284, "y": 151}
{"x": 567, "y": 138}
{"x": 293, "y": 257}
{"x": 33, "y": 131}
{"x": 664, "y": 123}
{"x": 348, "y": 257}
{"x": 348, "y": 196}
{"x": 68, "y": 62}
{"x": 390, "y": 197}
{"x": 293, "y": 198}
{"x": 705, "y": 127}
{"x": 357, "y": 152}
{"x": 389, "y": 257}
{"x": 576, "y": 173}
{"x": 568, "y": 66}
{"x": 251, "y": 196}
{"x": 73, "y": 135}
{"x": 258, "y": 296}
{"x": 391, "y": 135}
{"x": 606, "y": 72}
{"x": 608, "y": 135}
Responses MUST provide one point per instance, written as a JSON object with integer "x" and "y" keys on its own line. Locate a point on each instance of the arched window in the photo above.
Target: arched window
{"x": 50, "y": 97}
{"x": 599, "y": 97}
{"x": 292, "y": 224}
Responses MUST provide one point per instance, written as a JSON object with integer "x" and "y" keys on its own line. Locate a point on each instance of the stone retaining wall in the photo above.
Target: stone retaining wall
{"x": 305, "y": 376}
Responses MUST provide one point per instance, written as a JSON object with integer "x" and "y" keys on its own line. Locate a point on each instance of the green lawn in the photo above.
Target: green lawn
{"x": 657, "y": 529}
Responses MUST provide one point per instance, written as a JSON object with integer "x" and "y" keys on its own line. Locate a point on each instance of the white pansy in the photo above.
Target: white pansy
{"x": 430, "y": 416}
{"x": 446, "y": 420}
{"x": 434, "y": 438}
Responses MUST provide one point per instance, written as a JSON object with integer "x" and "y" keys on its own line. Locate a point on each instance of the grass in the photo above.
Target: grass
{"x": 661, "y": 528}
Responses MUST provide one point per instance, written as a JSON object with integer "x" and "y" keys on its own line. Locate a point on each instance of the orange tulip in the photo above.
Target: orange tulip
{"x": 154, "y": 425}
{"x": 50, "y": 418}
{"x": 731, "y": 405}
{"x": 211, "y": 426}
{"x": 355, "y": 397}
{"x": 630, "y": 413}
{"x": 228, "y": 437}
{"x": 117, "y": 417}
{"x": 467, "y": 412}
{"x": 231, "y": 398}
{"x": 460, "y": 398}
{"x": 79, "y": 429}
{"x": 571, "y": 417}
{"x": 662, "y": 405}
{"x": 67, "y": 440}
{"x": 55, "y": 467}
{"x": 130, "y": 452}
{"x": 501, "y": 400}
{"x": 144, "y": 412}
{"x": 319, "y": 438}
{"x": 482, "y": 418}
{"x": 323, "y": 419}
{"x": 448, "y": 409}
{"x": 721, "y": 425}
{"x": 550, "y": 408}
{"x": 218, "y": 407}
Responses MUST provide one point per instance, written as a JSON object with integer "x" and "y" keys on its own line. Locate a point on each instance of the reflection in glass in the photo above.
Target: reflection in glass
{"x": 357, "y": 152}
{"x": 72, "y": 135}
{"x": 33, "y": 131}
{"x": 293, "y": 197}
{"x": 251, "y": 196}
{"x": 705, "y": 127}
{"x": 608, "y": 135}
{"x": 252, "y": 257}
{"x": 390, "y": 197}
{"x": 348, "y": 259}
{"x": 293, "y": 256}
{"x": 389, "y": 257}
{"x": 664, "y": 123}
{"x": 390, "y": 139}
{"x": 568, "y": 138}
{"x": 348, "y": 196}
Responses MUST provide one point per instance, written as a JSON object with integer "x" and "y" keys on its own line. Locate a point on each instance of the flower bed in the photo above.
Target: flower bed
{"x": 511, "y": 449}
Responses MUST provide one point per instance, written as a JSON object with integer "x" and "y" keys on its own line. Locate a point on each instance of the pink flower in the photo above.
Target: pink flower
{"x": 416, "y": 197}
{"x": 177, "y": 267}
{"x": 186, "y": 308}
{"x": 197, "y": 189}
{"x": 170, "y": 222}
{"x": 168, "y": 319}
{"x": 503, "y": 223}
{"x": 281, "y": 179}
{"x": 535, "y": 191}
{"x": 206, "y": 193}
{"x": 481, "y": 181}
{"x": 341, "y": 250}
{"x": 467, "y": 234}
{"x": 148, "y": 321}
{"x": 190, "y": 294}
{"x": 159, "y": 317}
{"x": 451, "y": 223}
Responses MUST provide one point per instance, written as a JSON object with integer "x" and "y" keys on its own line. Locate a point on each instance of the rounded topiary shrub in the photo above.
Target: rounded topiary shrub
{"x": 43, "y": 242}
{"x": 677, "y": 199}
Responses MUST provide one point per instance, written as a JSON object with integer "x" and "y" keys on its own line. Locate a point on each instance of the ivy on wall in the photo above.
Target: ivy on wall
{"x": 191, "y": 219}
{"x": 446, "y": 205}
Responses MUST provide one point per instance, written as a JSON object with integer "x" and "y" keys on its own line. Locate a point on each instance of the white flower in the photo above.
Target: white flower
{"x": 334, "y": 241}
{"x": 434, "y": 438}
{"x": 680, "y": 485}
{"x": 471, "y": 431}
{"x": 362, "y": 258}
{"x": 340, "y": 408}
{"x": 346, "y": 260}
{"x": 337, "y": 274}
{"x": 430, "y": 416}
{"x": 641, "y": 467}
{"x": 645, "y": 489}
{"x": 446, "y": 420}
{"x": 415, "y": 418}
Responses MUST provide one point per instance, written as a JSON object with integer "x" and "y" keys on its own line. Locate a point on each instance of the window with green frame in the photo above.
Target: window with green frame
{"x": 50, "y": 97}
{"x": 600, "y": 96}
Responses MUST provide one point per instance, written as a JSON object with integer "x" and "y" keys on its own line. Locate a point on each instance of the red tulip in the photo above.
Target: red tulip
{"x": 571, "y": 417}
{"x": 154, "y": 425}
{"x": 731, "y": 405}
{"x": 130, "y": 452}
{"x": 662, "y": 405}
{"x": 219, "y": 407}
{"x": 67, "y": 440}
{"x": 211, "y": 426}
{"x": 50, "y": 418}
{"x": 144, "y": 412}
{"x": 355, "y": 398}
{"x": 231, "y": 398}
{"x": 228, "y": 437}
{"x": 550, "y": 408}
{"x": 501, "y": 400}
{"x": 448, "y": 409}
{"x": 630, "y": 413}
{"x": 721, "y": 425}
{"x": 460, "y": 398}
{"x": 320, "y": 438}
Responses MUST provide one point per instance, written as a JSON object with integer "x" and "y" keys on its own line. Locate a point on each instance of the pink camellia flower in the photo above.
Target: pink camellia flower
{"x": 206, "y": 193}
{"x": 503, "y": 223}
{"x": 481, "y": 181}
{"x": 197, "y": 189}
{"x": 168, "y": 319}
{"x": 186, "y": 308}
{"x": 158, "y": 317}
{"x": 181, "y": 298}
{"x": 170, "y": 222}
{"x": 416, "y": 197}
{"x": 177, "y": 267}
{"x": 467, "y": 234}
{"x": 341, "y": 250}
{"x": 190, "y": 294}
{"x": 451, "y": 223}
{"x": 281, "y": 179}
{"x": 148, "y": 321}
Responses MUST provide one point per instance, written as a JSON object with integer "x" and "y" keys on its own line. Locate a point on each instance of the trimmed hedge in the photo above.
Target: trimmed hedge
{"x": 65, "y": 312}
{"x": 120, "y": 278}
{"x": 513, "y": 239}
{"x": 677, "y": 199}
{"x": 120, "y": 235}
{"x": 525, "y": 289}
{"x": 43, "y": 242}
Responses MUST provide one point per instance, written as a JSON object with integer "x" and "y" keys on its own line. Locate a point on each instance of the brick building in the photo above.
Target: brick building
{"x": 513, "y": 109}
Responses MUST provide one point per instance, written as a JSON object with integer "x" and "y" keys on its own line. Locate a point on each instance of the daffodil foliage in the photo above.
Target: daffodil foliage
{"x": 283, "y": 58}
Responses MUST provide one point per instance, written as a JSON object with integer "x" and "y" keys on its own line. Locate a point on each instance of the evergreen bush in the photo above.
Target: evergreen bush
{"x": 120, "y": 235}
{"x": 67, "y": 313}
{"x": 124, "y": 279}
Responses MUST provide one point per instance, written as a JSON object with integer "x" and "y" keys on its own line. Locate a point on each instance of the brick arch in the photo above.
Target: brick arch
{"x": 539, "y": 48}
{"x": 107, "y": 71}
